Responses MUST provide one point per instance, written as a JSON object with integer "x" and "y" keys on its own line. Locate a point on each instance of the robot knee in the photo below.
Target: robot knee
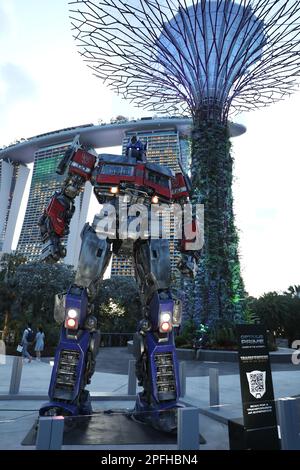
{"x": 138, "y": 346}
{"x": 95, "y": 343}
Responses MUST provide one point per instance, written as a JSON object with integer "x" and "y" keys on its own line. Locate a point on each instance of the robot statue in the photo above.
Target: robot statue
{"x": 131, "y": 179}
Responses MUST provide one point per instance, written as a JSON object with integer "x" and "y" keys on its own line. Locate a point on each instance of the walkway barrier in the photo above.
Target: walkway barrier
{"x": 2, "y": 352}
{"x": 50, "y": 433}
{"x": 182, "y": 378}
{"x": 131, "y": 378}
{"x": 16, "y": 374}
{"x": 188, "y": 429}
{"x": 214, "y": 388}
{"x": 288, "y": 410}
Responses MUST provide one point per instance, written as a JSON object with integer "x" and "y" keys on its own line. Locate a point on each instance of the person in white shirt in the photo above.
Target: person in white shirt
{"x": 26, "y": 341}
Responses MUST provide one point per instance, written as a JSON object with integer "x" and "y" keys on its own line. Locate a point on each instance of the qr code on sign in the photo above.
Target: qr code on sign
{"x": 257, "y": 383}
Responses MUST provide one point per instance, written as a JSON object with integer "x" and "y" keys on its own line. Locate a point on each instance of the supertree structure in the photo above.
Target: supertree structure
{"x": 209, "y": 58}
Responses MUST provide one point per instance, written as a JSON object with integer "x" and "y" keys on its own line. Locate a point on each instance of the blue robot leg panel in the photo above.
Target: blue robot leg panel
{"x": 76, "y": 353}
{"x": 155, "y": 353}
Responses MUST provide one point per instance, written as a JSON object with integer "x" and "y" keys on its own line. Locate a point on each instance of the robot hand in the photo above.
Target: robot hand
{"x": 53, "y": 250}
{"x": 188, "y": 265}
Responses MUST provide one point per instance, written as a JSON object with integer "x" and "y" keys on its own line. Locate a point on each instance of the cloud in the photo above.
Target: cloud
{"x": 16, "y": 84}
{"x": 17, "y": 91}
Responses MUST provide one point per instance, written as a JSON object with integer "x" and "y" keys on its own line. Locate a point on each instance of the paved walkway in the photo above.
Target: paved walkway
{"x": 115, "y": 360}
{"x": 17, "y": 416}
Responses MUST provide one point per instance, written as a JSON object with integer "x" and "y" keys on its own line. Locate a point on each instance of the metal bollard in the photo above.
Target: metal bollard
{"x": 16, "y": 374}
{"x": 131, "y": 378}
{"x": 188, "y": 429}
{"x": 50, "y": 433}
{"x": 2, "y": 352}
{"x": 288, "y": 415}
{"x": 214, "y": 391}
{"x": 182, "y": 378}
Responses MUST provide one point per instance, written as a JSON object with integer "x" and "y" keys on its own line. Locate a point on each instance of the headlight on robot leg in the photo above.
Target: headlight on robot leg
{"x": 72, "y": 319}
{"x": 165, "y": 322}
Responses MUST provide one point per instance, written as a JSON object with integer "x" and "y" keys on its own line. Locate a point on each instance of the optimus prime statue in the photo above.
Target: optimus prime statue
{"x": 135, "y": 180}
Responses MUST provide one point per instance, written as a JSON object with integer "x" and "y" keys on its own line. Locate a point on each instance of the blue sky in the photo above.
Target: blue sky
{"x": 45, "y": 85}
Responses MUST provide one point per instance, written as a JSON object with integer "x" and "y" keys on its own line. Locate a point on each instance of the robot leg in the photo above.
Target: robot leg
{"x": 154, "y": 348}
{"x": 78, "y": 346}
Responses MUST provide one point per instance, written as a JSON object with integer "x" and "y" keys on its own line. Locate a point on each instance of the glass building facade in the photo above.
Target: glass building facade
{"x": 5, "y": 211}
{"x": 165, "y": 147}
{"x": 45, "y": 181}
{"x": 13, "y": 179}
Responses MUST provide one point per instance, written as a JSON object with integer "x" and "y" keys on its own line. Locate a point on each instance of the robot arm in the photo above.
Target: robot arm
{"x": 188, "y": 244}
{"x": 54, "y": 223}
{"x": 188, "y": 247}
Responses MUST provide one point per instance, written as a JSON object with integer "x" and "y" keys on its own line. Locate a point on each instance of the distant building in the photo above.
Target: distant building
{"x": 45, "y": 181}
{"x": 13, "y": 179}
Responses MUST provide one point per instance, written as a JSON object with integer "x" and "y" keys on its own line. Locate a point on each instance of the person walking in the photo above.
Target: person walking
{"x": 39, "y": 343}
{"x": 27, "y": 339}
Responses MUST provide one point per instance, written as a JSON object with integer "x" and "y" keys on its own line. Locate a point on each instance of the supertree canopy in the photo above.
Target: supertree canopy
{"x": 166, "y": 55}
{"x": 209, "y": 58}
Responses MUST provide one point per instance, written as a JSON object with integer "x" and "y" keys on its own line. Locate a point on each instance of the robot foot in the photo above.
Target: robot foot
{"x": 59, "y": 408}
{"x": 161, "y": 417}
{"x": 165, "y": 421}
{"x": 85, "y": 405}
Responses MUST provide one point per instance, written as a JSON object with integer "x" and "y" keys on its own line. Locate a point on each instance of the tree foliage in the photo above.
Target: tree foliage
{"x": 27, "y": 293}
{"x": 279, "y": 313}
{"x": 117, "y": 305}
{"x": 9, "y": 263}
{"x": 37, "y": 284}
{"x": 219, "y": 284}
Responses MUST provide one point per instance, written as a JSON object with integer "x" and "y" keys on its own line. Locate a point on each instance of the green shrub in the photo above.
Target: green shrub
{"x": 181, "y": 342}
{"x": 222, "y": 335}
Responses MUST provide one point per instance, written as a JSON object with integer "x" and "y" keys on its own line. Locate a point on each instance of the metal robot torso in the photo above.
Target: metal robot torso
{"x": 130, "y": 178}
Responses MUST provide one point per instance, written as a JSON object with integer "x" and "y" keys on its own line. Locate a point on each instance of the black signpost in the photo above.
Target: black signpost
{"x": 258, "y": 429}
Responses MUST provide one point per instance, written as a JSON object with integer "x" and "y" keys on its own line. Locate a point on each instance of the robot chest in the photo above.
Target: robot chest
{"x": 140, "y": 183}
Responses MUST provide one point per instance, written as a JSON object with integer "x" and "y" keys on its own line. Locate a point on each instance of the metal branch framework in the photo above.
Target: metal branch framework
{"x": 189, "y": 56}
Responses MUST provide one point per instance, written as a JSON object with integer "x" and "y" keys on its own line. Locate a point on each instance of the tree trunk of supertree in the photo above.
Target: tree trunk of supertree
{"x": 220, "y": 289}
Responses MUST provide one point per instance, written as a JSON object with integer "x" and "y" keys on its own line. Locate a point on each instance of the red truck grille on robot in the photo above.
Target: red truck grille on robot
{"x": 82, "y": 164}
{"x": 179, "y": 189}
{"x": 56, "y": 213}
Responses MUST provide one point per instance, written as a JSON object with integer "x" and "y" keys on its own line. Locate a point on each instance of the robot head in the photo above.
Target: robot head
{"x": 136, "y": 149}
